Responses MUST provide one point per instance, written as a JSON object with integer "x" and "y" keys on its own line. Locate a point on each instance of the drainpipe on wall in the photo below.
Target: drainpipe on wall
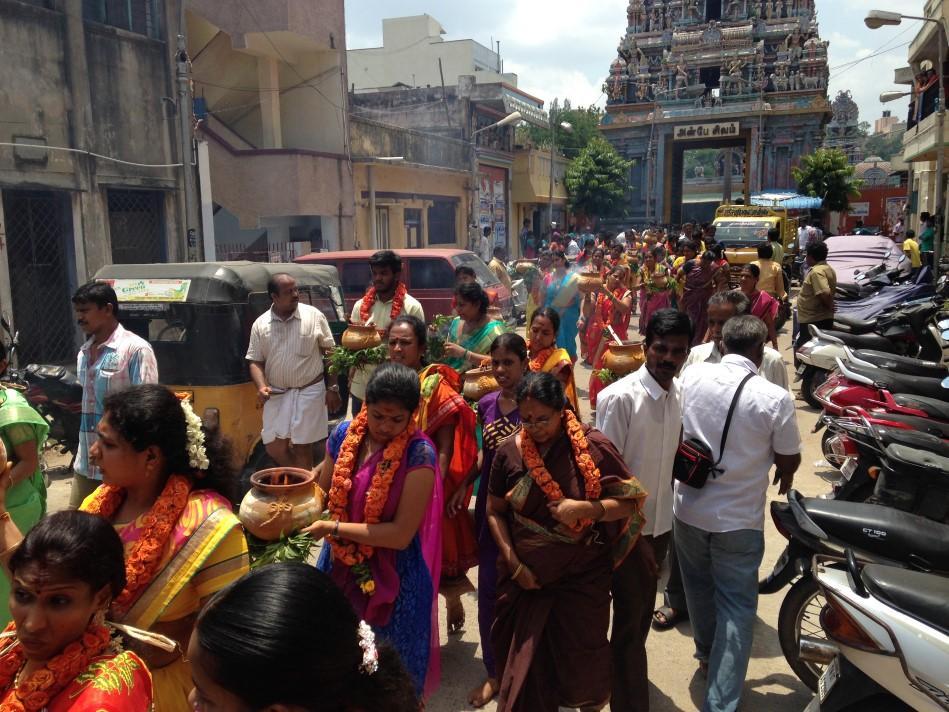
{"x": 192, "y": 250}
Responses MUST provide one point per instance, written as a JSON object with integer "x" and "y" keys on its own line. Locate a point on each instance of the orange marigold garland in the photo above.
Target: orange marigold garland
{"x": 143, "y": 559}
{"x": 538, "y": 361}
{"x": 581, "y": 455}
{"x": 369, "y": 299}
{"x": 354, "y": 555}
{"x": 36, "y": 691}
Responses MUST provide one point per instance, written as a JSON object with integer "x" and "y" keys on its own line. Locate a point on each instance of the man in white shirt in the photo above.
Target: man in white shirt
{"x": 642, "y": 415}
{"x": 286, "y": 350}
{"x": 485, "y": 248}
{"x": 724, "y": 306}
{"x": 719, "y": 529}
{"x": 385, "y": 300}
{"x": 573, "y": 248}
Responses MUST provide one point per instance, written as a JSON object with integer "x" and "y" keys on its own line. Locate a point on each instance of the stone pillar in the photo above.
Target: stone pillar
{"x": 268, "y": 83}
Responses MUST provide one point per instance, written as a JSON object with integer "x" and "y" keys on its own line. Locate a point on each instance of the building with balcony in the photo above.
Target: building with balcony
{"x": 456, "y": 123}
{"x": 414, "y": 54}
{"x": 922, "y": 142}
{"x": 270, "y": 92}
{"x": 90, "y": 171}
{"x": 532, "y": 192}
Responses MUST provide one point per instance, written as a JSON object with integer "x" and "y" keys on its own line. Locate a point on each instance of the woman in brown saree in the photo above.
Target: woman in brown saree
{"x": 565, "y": 512}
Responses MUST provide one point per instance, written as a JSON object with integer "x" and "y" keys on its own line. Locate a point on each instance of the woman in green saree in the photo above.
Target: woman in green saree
{"x": 23, "y": 432}
{"x": 472, "y": 332}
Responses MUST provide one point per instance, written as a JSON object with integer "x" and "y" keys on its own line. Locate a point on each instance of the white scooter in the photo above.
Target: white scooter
{"x": 888, "y": 638}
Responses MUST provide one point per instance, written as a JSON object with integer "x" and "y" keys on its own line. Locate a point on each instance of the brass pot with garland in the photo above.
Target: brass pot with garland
{"x": 588, "y": 282}
{"x": 281, "y": 501}
{"x": 358, "y": 337}
{"x": 623, "y": 359}
{"x": 479, "y": 382}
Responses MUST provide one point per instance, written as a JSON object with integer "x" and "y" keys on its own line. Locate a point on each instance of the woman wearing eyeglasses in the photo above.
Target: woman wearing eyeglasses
{"x": 564, "y": 512}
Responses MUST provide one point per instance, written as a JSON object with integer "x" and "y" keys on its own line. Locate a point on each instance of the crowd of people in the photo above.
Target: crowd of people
{"x": 150, "y": 579}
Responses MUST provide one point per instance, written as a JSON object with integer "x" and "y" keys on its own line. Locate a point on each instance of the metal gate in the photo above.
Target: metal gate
{"x": 136, "y": 226}
{"x": 38, "y": 235}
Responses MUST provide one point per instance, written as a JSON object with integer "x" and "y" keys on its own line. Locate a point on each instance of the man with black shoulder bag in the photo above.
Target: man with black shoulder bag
{"x": 721, "y": 479}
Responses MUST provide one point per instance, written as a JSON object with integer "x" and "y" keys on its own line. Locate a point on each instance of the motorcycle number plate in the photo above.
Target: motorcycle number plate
{"x": 801, "y": 369}
{"x": 848, "y": 468}
{"x": 828, "y": 679}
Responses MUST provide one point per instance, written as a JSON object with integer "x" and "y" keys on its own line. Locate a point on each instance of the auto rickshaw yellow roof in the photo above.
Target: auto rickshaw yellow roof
{"x": 215, "y": 282}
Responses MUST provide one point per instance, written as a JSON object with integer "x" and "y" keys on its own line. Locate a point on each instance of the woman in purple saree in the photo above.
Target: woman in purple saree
{"x": 699, "y": 286}
{"x": 393, "y": 582}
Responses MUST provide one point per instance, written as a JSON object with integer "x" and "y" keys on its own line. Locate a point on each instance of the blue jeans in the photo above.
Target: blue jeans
{"x": 720, "y": 574}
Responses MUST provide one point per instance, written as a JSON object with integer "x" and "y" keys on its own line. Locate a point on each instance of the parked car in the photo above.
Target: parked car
{"x": 429, "y": 275}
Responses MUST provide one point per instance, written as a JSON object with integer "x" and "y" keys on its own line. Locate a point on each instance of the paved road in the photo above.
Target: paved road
{"x": 771, "y": 686}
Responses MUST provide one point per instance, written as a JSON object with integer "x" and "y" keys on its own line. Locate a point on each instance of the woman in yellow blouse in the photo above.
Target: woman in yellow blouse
{"x": 163, "y": 482}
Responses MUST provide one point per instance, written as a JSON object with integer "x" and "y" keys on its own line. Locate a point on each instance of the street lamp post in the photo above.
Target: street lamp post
{"x": 511, "y": 118}
{"x": 876, "y": 19}
{"x": 565, "y": 126}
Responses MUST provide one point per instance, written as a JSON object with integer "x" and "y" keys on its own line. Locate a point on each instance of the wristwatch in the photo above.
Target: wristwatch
{"x": 334, "y": 388}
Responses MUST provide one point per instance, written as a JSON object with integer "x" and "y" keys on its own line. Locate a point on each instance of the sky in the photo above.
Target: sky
{"x": 563, "y": 48}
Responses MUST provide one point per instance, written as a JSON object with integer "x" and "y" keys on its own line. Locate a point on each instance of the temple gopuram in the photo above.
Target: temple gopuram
{"x": 745, "y": 77}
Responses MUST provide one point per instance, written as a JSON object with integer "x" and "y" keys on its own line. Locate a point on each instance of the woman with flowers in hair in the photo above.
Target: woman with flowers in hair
{"x": 384, "y": 521}
{"x": 165, "y": 481}
{"x": 564, "y": 511}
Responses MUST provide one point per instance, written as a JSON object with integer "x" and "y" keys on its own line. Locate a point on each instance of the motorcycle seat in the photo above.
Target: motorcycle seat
{"x": 856, "y": 326}
{"x": 910, "y": 457}
{"x": 921, "y": 596}
{"x": 882, "y": 531}
{"x": 903, "y": 364}
{"x": 864, "y": 341}
{"x": 922, "y": 425}
{"x": 51, "y": 372}
{"x": 902, "y": 382}
{"x": 914, "y": 440}
{"x": 930, "y": 406}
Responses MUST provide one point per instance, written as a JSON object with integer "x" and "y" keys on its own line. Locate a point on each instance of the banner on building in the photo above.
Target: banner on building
{"x": 859, "y": 210}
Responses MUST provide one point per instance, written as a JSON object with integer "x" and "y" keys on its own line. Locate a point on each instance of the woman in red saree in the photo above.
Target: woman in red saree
{"x": 67, "y": 571}
{"x": 445, "y": 416}
{"x": 614, "y": 307}
{"x": 165, "y": 480}
{"x": 698, "y": 285}
{"x": 564, "y": 511}
{"x": 763, "y": 305}
{"x": 655, "y": 292}
{"x": 600, "y": 266}
{"x": 544, "y": 354}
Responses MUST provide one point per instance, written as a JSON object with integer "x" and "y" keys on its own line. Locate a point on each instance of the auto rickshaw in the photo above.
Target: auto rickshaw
{"x": 197, "y": 316}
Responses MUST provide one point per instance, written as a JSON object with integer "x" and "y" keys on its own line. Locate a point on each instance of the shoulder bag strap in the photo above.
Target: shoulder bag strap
{"x": 728, "y": 419}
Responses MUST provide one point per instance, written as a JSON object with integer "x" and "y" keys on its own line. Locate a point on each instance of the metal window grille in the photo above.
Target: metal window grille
{"x": 140, "y": 16}
{"x": 441, "y": 224}
{"x": 136, "y": 226}
{"x": 38, "y": 233}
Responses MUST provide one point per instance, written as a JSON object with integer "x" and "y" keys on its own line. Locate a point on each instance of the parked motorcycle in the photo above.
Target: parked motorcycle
{"x": 920, "y": 288}
{"x": 912, "y": 330}
{"x": 826, "y": 526}
{"x": 889, "y": 638}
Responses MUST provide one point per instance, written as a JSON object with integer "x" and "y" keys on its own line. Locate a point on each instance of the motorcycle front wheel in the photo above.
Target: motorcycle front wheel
{"x": 800, "y": 616}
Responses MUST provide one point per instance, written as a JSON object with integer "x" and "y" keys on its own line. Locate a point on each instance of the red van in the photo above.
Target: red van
{"x": 429, "y": 275}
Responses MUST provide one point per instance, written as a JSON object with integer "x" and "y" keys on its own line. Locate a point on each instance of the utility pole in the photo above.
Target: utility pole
{"x": 192, "y": 252}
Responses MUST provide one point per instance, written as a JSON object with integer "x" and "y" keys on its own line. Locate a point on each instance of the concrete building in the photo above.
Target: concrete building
{"x": 89, "y": 168}
{"x": 886, "y": 123}
{"x": 531, "y": 194}
{"x": 921, "y": 142}
{"x": 270, "y": 81}
{"x": 414, "y": 54}
{"x": 457, "y": 122}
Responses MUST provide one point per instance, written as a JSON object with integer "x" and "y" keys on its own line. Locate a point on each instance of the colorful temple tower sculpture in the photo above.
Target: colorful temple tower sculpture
{"x": 843, "y": 131}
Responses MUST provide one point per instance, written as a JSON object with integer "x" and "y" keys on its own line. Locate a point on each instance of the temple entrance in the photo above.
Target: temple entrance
{"x": 703, "y": 174}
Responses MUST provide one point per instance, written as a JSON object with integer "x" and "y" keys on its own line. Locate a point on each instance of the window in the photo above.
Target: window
{"x": 382, "y": 228}
{"x": 356, "y": 277}
{"x": 441, "y": 224}
{"x": 485, "y": 277}
{"x": 136, "y": 226}
{"x": 141, "y": 16}
{"x": 431, "y": 273}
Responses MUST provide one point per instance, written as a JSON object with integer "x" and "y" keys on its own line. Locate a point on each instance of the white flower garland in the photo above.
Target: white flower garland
{"x": 197, "y": 454}
{"x": 367, "y": 642}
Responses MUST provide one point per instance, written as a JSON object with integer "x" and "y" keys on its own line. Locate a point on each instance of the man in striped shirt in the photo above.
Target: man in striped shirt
{"x": 112, "y": 359}
{"x": 287, "y": 346}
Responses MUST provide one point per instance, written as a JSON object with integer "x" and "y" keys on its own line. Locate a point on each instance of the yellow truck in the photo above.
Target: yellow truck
{"x": 741, "y": 228}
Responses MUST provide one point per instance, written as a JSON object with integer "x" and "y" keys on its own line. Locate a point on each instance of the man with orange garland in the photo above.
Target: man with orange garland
{"x": 385, "y": 300}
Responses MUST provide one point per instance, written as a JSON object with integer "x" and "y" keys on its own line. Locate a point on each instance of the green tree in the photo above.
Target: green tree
{"x": 827, "y": 174}
{"x": 597, "y": 180}
{"x": 585, "y": 125}
{"x": 884, "y": 145}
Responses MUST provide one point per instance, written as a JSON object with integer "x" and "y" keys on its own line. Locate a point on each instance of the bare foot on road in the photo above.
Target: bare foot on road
{"x": 483, "y": 693}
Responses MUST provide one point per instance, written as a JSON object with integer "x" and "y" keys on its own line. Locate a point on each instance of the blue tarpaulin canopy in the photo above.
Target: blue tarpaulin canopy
{"x": 785, "y": 199}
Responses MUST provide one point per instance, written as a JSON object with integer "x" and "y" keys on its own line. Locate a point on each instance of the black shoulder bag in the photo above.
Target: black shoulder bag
{"x": 693, "y": 462}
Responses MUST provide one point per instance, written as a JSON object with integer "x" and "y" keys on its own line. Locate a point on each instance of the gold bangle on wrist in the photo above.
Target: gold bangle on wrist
{"x": 518, "y": 570}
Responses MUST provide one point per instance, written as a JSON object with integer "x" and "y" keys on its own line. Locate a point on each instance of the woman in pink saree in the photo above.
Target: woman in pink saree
{"x": 384, "y": 521}
{"x": 763, "y": 305}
